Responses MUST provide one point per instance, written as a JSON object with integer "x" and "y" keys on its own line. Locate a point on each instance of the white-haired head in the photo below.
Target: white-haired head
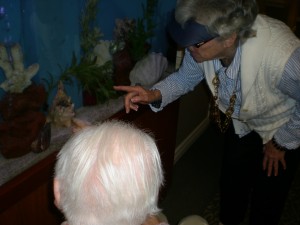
{"x": 108, "y": 174}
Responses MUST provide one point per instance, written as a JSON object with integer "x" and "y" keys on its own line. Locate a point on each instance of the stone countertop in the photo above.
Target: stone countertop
{"x": 9, "y": 168}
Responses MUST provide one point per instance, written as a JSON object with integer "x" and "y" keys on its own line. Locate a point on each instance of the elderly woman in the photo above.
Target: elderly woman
{"x": 251, "y": 65}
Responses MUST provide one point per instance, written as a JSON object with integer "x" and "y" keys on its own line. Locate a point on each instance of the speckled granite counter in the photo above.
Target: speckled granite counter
{"x": 9, "y": 168}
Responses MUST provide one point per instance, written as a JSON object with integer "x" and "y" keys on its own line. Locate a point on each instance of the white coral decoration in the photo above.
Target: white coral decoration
{"x": 17, "y": 77}
{"x": 102, "y": 52}
{"x": 149, "y": 70}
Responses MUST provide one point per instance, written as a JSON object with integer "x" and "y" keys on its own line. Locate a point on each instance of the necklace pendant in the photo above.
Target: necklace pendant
{"x": 216, "y": 81}
{"x": 232, "y": 99}
{"x": 215, "y": 111}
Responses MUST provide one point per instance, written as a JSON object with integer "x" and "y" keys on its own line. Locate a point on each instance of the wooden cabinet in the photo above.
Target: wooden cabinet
{"x": 27, "y": 199}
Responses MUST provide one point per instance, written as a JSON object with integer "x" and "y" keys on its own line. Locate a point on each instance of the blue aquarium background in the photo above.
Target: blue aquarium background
{"x": 49, "y": 31}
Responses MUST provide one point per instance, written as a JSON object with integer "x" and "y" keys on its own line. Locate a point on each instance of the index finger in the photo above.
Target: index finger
{"x": 275, "y": 168}
{"x": 265, "y": 160}
{"x": 124, "y": 88}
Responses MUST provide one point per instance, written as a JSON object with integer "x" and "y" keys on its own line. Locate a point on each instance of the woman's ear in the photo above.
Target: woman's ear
{"x": 230, "y": 41}
{"x": 56, "y": 193}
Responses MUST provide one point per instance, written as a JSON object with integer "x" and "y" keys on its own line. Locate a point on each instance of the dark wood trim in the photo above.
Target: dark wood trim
{"x": 26, "y": 182}
{"x": 28, "y": 199}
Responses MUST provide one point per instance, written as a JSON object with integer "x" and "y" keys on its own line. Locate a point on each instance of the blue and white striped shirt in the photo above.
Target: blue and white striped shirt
{"x": 190, "y": 74}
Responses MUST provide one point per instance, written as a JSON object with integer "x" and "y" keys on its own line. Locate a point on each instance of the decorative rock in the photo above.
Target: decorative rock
{"x": 22, "y": 121}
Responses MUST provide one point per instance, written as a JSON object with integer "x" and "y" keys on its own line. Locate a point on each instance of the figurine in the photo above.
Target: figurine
{"x": 62, "y": 109}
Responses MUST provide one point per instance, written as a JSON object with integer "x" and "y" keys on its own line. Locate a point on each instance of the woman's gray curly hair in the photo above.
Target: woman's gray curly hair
{"x": 222, "y": 17}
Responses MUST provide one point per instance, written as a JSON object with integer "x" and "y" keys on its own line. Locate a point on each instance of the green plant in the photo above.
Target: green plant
{"x": 90, "y": 34}
{"x": 143, "y": 30}
{"x": 93, "y": 78}
{"x": 97, "y": 80}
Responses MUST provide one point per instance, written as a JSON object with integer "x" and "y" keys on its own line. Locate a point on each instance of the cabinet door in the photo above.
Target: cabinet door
{"x": 28, "y": 198}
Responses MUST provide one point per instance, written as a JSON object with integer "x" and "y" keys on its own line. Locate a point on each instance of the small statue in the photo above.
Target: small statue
{"x": 62, "y": 109}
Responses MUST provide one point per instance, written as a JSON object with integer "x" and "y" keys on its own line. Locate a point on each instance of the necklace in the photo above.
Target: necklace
{"x": 215, "y": 111}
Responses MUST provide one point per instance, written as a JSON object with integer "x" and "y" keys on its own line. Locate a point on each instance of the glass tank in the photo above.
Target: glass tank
{"x": 68, "y": 54}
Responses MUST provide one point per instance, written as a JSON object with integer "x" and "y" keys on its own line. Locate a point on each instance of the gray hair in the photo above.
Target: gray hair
{"x": 223, "y": 17}
{"x": 109, "y": 174}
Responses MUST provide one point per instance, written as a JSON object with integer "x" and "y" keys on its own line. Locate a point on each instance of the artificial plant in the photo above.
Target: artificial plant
{"x": 94, "y": 78}
{"x": 144, "y": 30}
{"x": 139, "y": 31}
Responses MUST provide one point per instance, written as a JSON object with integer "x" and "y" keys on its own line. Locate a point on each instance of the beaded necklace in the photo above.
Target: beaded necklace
{"x": 215, "y": 111}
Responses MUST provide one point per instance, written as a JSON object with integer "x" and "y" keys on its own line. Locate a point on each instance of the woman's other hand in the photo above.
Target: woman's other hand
{"x": 272, "y": 159}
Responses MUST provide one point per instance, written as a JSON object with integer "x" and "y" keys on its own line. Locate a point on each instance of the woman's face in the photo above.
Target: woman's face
{"x": 213, "y": 49}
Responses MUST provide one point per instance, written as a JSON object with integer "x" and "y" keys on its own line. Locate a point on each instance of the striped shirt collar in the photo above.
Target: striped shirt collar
{"x": 233, "y": 69}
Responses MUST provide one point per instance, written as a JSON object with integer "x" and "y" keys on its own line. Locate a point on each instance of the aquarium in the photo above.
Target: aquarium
{"x": 59, "y": 56}
{"x": 49, "y": 32}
